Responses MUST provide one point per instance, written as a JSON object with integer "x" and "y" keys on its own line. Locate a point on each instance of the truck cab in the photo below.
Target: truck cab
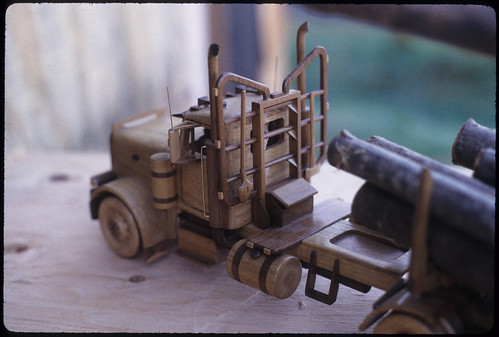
{"x": 218, "y": 170}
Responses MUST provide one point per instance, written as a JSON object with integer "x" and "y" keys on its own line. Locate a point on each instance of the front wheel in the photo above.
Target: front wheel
{"x": 119, "y": 227}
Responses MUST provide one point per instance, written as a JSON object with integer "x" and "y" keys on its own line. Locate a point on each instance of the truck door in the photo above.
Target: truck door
{"x": 186, "y": 142}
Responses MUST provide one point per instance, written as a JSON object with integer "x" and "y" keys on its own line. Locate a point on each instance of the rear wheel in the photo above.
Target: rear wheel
{"x": 402, "y": 323}
{"x": 119, "y": 227}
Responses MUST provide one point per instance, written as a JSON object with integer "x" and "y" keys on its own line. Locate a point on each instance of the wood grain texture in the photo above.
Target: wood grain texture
{"x": 294, "y": 192}
{"x": 60, "y": 275}
{"x": 89, "y": 65}
{"x": 278, "y": 239}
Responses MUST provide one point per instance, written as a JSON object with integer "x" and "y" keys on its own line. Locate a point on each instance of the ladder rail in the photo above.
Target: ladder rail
{"x": 266, "y": 135}
{"x": 322, "y": 92}
{"x": 257, "y": 115}
{"x": 258, "y": 140}
{"x": 218, "y": 128}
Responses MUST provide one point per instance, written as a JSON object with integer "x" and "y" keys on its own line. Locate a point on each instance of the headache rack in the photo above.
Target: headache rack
{"x": 302, "y": 149}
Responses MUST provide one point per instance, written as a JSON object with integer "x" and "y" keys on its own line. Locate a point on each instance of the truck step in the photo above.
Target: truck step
{"x": 196, "y": 241}
{"x": 289, "y": 200}
{"x": 292, "y": 192}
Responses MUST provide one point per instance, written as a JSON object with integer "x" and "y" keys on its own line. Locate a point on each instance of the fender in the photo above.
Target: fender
{"x": 154, "y": 226}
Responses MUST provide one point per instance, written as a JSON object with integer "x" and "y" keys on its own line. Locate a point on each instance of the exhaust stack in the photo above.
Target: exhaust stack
{"x": 212, "y": 78}
{"x": 300, "y": 54}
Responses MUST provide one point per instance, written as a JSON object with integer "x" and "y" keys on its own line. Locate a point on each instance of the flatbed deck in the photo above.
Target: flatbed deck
{"x": 277, "y": 239}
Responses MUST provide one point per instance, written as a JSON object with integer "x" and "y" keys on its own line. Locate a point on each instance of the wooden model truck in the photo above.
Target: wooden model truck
{"x": 232, "y": 182}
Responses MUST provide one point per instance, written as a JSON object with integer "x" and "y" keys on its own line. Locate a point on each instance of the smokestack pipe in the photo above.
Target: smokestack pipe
{"x": 212, "y": 79}
{"x": 300, "y": 54}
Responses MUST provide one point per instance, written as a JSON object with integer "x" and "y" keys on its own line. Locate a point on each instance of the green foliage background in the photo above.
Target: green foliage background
{"x": 413, "y": 91}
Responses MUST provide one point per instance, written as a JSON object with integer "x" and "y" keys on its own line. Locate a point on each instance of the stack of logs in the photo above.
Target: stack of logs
{"x": 461, "y": 227}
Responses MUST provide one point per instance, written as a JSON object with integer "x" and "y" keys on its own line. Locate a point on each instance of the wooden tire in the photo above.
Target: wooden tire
{"x": 119, "y": 227}
{"x": 402, "y": 323}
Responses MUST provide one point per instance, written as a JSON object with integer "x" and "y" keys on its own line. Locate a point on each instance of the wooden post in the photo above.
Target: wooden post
{"x": 212, "y": 78}
{"x": 421, "y": 272}
{"x": 301, "y": 86}
{"x": 246, "y": 187}
{"x": 460, "y": 205}
{"x": 300, "y": 55}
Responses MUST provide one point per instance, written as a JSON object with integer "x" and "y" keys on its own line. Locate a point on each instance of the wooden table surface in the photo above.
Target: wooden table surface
{"x": 60, "y": 275}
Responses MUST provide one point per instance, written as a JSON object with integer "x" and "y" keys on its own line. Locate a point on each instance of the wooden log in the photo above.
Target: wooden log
{"x": 471, "y": 138}
{"x": 460, "y": 205}
{"x": 428, "y": 162}
{"x": 485, "y": 166}
{"x": 467, "y": 260}
{"x": 377, "y": 209}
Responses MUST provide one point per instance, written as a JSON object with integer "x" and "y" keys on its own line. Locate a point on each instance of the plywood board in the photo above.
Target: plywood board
{"x": 60, "y": 276}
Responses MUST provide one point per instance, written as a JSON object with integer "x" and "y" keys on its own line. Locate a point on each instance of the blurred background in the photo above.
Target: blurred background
{"x": 410, "y": 73}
